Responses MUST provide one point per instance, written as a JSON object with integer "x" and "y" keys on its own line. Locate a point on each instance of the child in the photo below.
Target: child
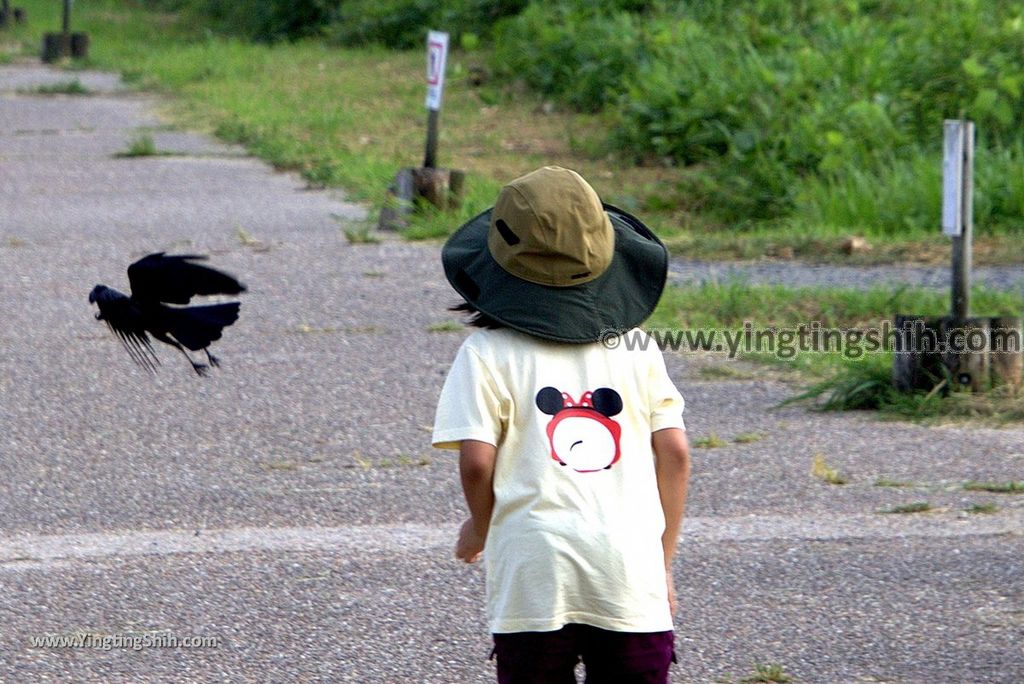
{"x": 573, "y": 454}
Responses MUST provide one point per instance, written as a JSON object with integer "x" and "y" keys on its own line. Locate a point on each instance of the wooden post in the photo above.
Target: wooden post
{"x": 398, "y": 204}
{"x": 56, "y": 46}
{"x": 967, "y": 358}
{"x": 79, "y": 45}
{"x": 65, "y": 44}
{"x": 432, "y": 185}
{"x": 456, "y": 188}
{"x": 917, "y": 362}
{"x": 1007, "y": 352}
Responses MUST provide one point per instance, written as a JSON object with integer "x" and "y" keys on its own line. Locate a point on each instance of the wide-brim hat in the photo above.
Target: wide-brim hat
{"x": 553, "y": 261}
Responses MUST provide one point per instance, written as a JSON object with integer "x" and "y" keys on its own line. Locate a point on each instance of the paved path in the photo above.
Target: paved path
{"x": 290, "y": 508}
{"x": 795, "y": 274}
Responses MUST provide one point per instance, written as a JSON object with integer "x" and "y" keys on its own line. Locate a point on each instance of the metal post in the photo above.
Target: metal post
{"x": 430, "y": 158}
{"x": 66, "y": 26}
{"x": 962, "y": 243}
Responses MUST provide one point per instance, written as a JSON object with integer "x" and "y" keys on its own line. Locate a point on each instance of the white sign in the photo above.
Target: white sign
{"x": 952, "y": 177}
{"x": 437, "y": 55}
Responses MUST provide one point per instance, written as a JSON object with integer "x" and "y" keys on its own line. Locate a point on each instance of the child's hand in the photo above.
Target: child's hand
{"x": 471, "y": 543}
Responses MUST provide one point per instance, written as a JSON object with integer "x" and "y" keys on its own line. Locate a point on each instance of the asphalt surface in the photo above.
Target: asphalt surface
{"x": 290, "y": 509}
{"x": 1007, "y": 278}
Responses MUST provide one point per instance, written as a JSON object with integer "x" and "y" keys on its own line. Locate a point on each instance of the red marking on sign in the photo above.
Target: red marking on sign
{"x": 436, "y": 50}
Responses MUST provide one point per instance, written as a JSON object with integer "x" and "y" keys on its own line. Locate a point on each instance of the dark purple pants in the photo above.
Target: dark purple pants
{"x": 609, "y": 657}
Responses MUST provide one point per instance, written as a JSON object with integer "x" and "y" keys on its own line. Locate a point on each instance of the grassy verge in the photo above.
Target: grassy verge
{"x": 851, "y": 374}
{"x": 351, "y": 118}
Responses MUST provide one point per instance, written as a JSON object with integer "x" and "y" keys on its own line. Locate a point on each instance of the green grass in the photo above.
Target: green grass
{"x": 245, "y": 239}
{"x": 904, "y": 509}
{"x": 888, "y": 482}
{"x": 868, "y": 386}
{"x": 734, "y": 302}
{"x": 712, "y": 441}
{"x": 748, "y": 438}
{"x": 983, "y": 509}
{"x": 445, "y": 327}
{"x": 724, "y": 373}
{"x": 767, "y": 672}
{"x": 825, "y": 113}
{"x": 821, "y": 470}
{"x": 73, "y": 87}
{"x": 140, "y": 146}
{"x": 361, "y": 235}
{"x": 996, "y": 487}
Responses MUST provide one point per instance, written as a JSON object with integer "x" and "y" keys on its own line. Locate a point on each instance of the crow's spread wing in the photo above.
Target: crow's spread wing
{"x": 125, "y": 321}
{"x": 176, "y": 279}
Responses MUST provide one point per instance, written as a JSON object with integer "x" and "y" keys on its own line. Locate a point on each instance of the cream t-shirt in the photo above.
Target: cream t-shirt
{"x": 575, "y": 536}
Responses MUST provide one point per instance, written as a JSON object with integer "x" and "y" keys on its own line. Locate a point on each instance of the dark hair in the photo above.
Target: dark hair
{"x": 478, "y": 318}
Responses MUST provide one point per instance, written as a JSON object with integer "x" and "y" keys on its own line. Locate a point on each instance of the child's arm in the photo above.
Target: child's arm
{"x": 476, "y": 469}
{"x": 672, "y": 467}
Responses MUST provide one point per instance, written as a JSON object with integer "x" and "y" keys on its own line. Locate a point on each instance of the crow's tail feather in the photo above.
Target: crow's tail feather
{"x": 196, "y": 327}
{"x": 138, "y": 347}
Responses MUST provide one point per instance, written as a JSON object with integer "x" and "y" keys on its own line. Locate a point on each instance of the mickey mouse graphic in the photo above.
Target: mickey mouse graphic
{"x": 582, "y": 434}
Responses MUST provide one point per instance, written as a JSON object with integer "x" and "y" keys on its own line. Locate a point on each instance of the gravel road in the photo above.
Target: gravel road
{"x": 290, "y": 510}
{"x": 1007, "y": 278}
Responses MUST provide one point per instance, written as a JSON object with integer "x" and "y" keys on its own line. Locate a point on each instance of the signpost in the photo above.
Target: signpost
{"x": 968, "y": 352}
{"x": 437, "y": 57}
{"x": 440, "y": 187}
{"x": 958, "y": 208}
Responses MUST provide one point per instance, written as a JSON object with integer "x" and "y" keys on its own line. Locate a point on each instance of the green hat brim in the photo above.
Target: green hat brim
{"x": 620, "y": 299}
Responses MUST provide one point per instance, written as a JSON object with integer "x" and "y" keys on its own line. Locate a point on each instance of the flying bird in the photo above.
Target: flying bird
{"x": 159, "y": 281}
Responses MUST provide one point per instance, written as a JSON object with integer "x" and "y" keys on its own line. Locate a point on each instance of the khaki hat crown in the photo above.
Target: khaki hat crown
{"x": 549, "y": 227}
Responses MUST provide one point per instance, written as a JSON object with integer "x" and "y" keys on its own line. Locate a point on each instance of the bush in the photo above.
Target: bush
{"x": 262, "y": 20}
{"x": 392, "y": 23}
{"x": 404, "y": 23}
{"x": 570, "y": 51}
{"x": 793, "y": 106}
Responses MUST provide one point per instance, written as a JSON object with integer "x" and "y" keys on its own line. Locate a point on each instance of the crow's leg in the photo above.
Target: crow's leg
{"x": 201, "y": 369}
{"x": 214, "y": 361}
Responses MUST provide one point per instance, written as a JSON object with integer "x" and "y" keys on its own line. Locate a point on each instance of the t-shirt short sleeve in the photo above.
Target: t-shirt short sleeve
{"x": 470, "y": 406}
{"x": 665, "y": 400}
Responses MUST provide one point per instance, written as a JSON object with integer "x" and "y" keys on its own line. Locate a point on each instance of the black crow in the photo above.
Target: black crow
{"x": 156, "y": 281}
